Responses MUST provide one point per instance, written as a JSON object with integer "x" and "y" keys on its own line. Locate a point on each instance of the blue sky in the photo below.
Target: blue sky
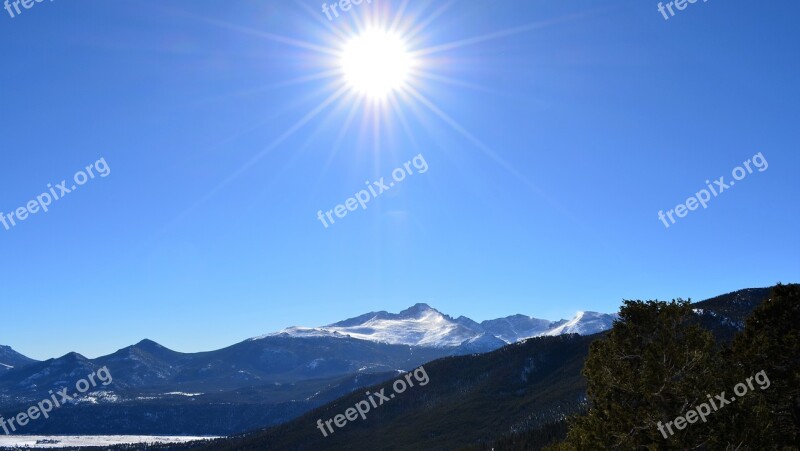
{"x": 581, "y": 129}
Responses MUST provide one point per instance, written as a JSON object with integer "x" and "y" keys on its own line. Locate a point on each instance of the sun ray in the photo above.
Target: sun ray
{"x": 454, "y": 82}
{"x": 360, "y": 24}
{"x": 293, "y": 157}
{"x": 327, "y": 23}
{"x": 376, "y": 133}
{"x": 269, "y": 36}
{"x": 429, "y": 19}
{"x": 398, "y": 15}
{"x": 501, "y": 162}
{"x": 257, "y": 124}
{"x": 483, "y": 147}
{"x": 495, "y": 35}
{"x": 294, "y": 128}
{"x": 348, "y": 122}
{"x": 269, "y": 148}
{"x": 329, "y": 73}
{"x": 404, "y": 123}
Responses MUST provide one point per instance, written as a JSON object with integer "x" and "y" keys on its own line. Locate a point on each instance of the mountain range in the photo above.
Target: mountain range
{"x": 514, "y": 398}
{"x": 422, "y": 325}
{"x": 261, "y": 381}
{"x": 279, "y": 384}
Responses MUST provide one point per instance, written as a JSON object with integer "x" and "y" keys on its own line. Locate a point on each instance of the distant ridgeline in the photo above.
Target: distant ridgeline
{"x": 514, "y": 398}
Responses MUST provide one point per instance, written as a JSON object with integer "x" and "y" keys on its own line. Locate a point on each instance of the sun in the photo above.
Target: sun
{"x": 376, "y": 63}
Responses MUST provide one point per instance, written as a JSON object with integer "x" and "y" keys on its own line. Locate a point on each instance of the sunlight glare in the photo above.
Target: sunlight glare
{"x": 376, "y": 63}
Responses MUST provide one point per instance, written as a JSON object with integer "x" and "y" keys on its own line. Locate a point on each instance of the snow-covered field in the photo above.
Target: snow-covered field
{"x": 88, "y": 440}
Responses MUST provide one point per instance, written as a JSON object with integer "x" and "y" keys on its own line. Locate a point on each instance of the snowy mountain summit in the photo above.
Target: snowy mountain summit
{"x": 423, "y": 325}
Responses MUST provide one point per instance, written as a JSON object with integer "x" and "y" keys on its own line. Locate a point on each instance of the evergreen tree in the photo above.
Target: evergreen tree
{"x": 655, "y": 364}
{"x": 768, "y": 417}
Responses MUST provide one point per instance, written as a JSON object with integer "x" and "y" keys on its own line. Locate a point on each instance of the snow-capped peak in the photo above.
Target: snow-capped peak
{"x": 420, "y": 325}
{"x": 423, "y": 325}
{"x": 585, "y": 323}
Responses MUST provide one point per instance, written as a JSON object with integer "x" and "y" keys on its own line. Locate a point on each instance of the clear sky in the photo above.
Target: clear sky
{"x": 553, "y": 132}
